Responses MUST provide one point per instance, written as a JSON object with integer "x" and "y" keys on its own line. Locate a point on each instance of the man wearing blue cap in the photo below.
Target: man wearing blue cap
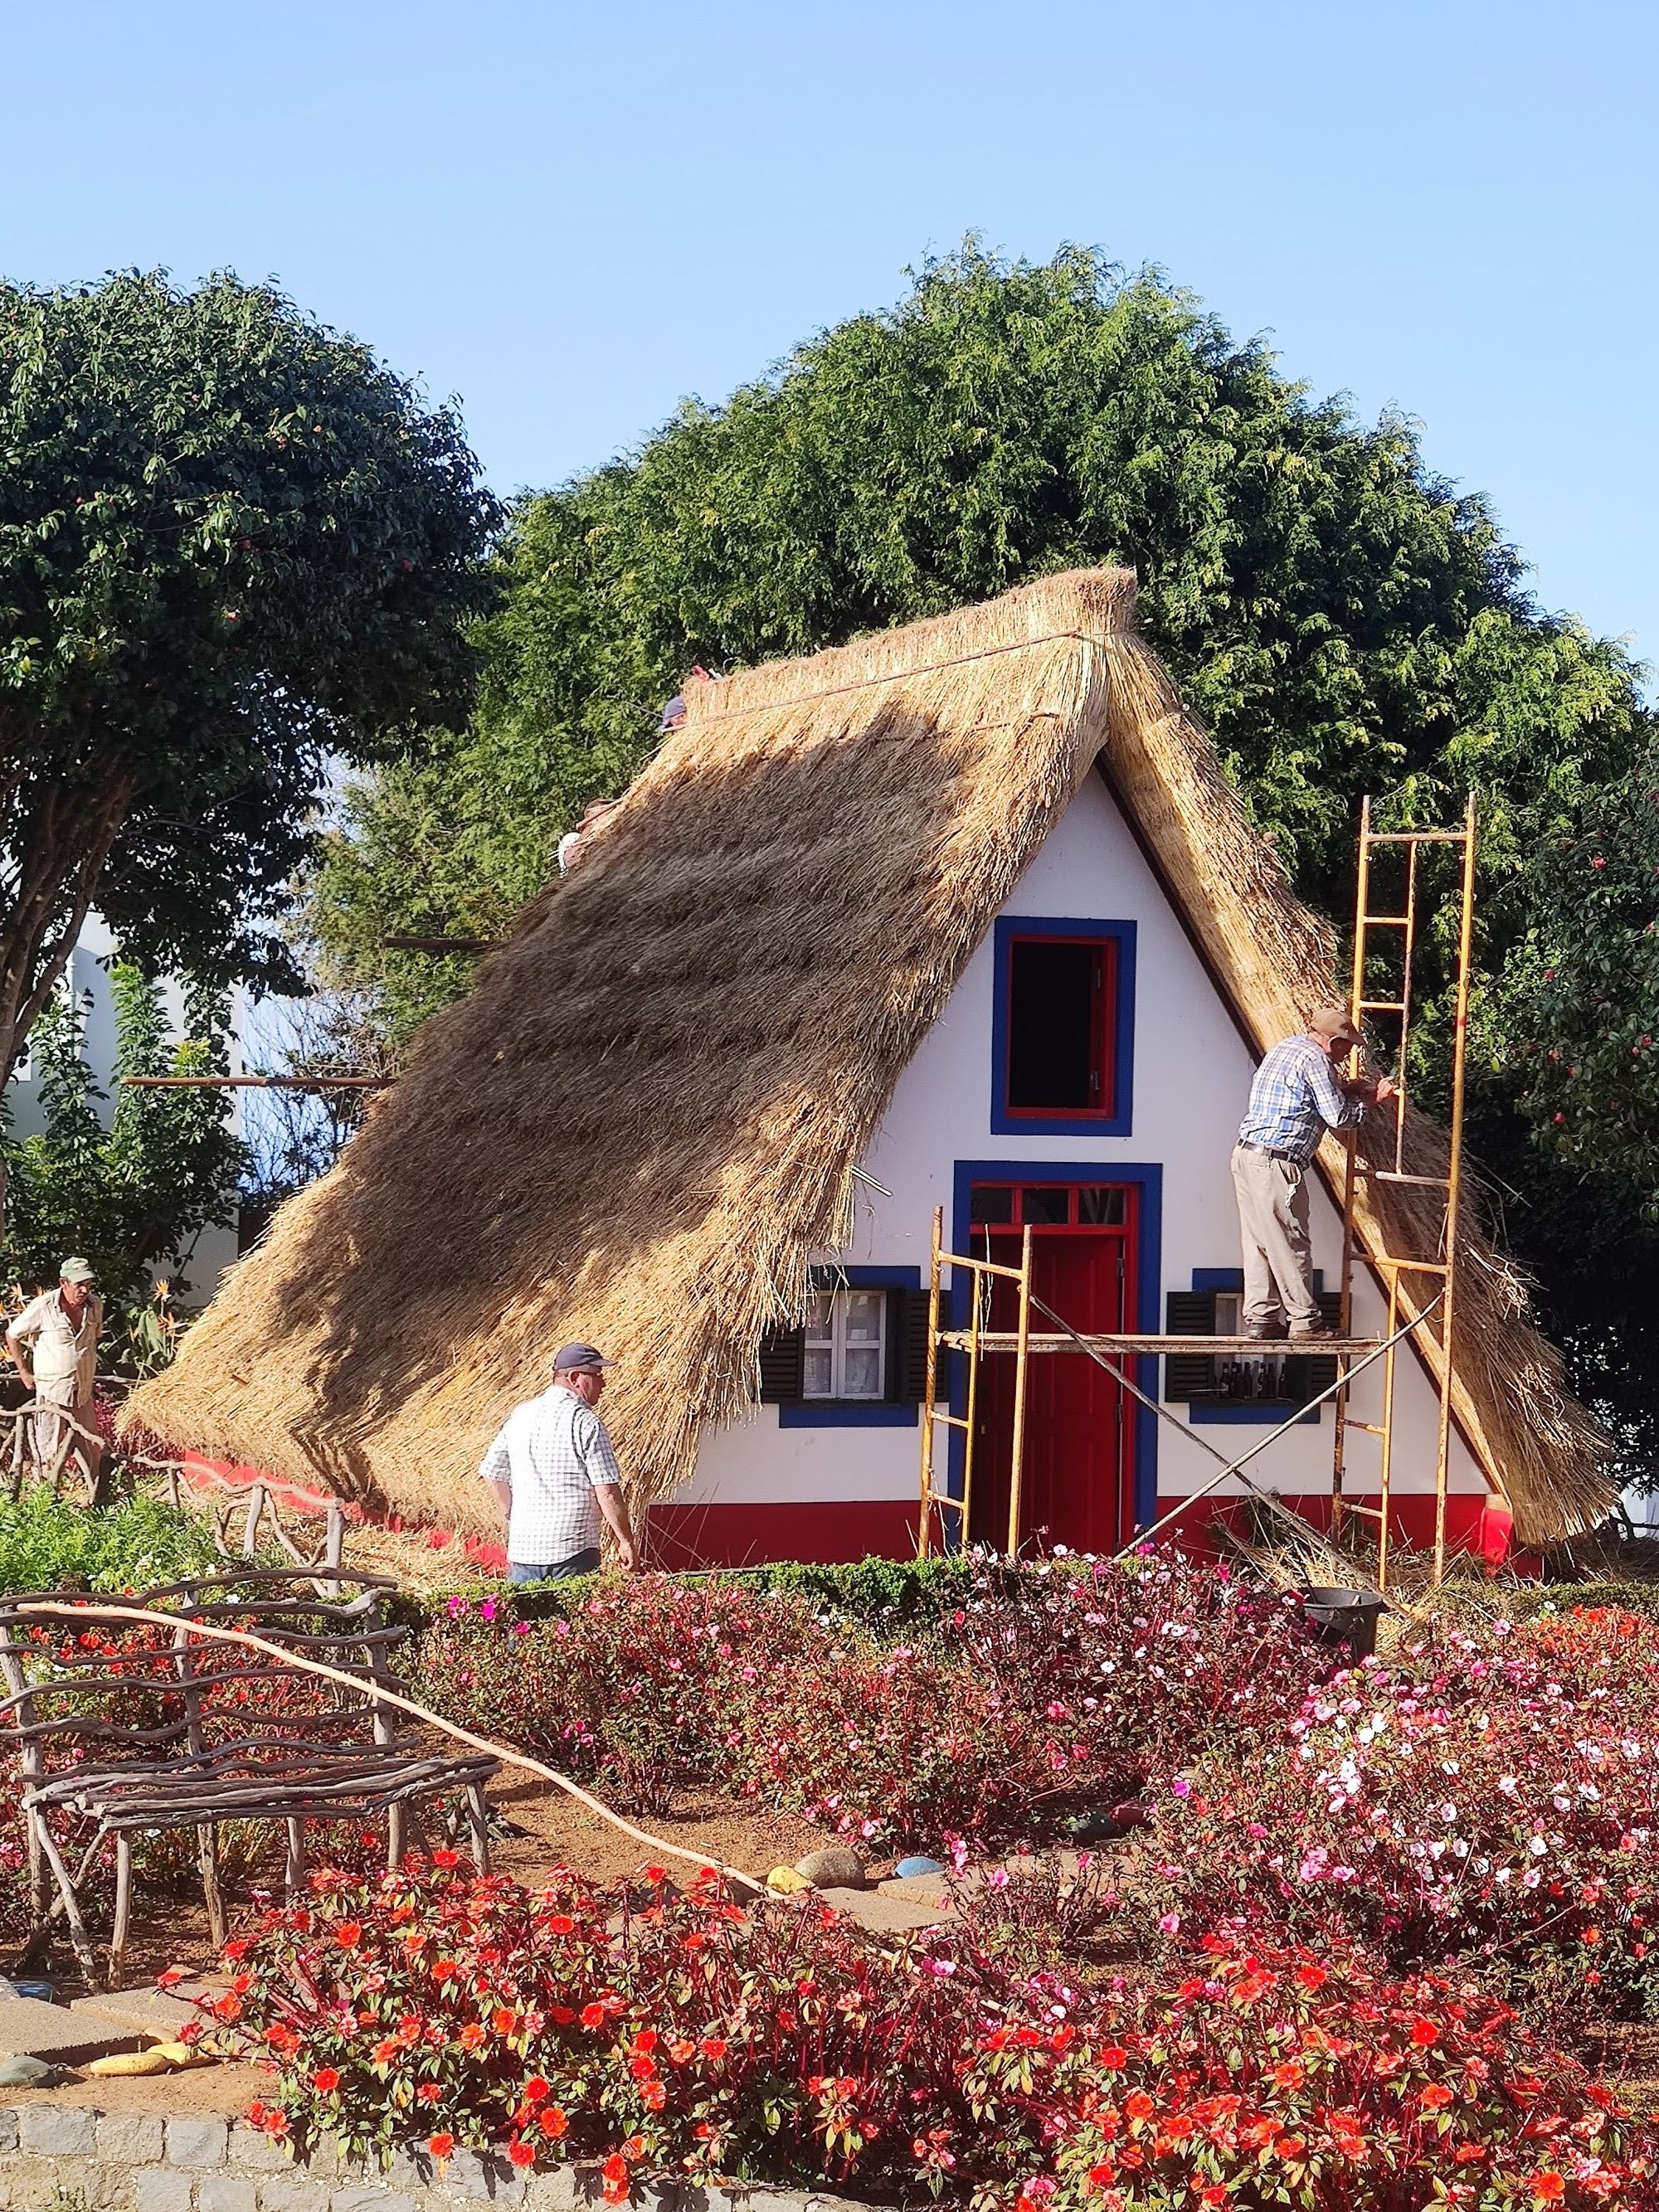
{"x": 556, "y": 1477}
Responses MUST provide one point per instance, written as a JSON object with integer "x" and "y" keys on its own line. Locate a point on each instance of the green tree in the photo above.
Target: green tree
{"x": 232, "y": 543}
{"x": 1342, "y": 619}
{"x": 136, "y": 1192}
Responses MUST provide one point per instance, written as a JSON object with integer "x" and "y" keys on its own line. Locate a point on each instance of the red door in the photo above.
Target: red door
{"x": 1078, "y": 1487}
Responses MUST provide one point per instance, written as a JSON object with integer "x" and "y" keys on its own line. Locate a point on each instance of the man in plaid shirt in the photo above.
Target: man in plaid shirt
{"x": 556, "y": 1477}
{"x": 1297, "y": 1095}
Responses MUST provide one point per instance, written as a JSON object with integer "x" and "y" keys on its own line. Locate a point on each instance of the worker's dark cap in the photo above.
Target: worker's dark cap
{"x": 573, "y": 1358}
{"x": 674, "y": 713}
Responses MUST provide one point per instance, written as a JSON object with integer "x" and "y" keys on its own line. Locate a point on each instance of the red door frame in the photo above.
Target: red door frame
{"x": 991, "y": 1495}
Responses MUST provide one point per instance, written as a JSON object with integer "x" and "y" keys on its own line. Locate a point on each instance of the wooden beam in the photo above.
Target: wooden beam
{"x": 1153, "y": 1346}
{"x": 439, "y": 943}
{"x": 257, "y": 1082}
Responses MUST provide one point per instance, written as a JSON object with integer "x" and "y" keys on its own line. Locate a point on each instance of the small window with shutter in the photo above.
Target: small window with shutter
{"x": 1268, "y": 1385}
{"x": 859, "y": 1359}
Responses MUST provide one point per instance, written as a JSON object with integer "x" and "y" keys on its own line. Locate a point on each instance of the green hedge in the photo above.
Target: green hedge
{"x": 877, "y": 1593}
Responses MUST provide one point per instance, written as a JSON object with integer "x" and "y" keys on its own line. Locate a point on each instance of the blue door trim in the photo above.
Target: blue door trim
{"x": 1149, "y": 1292}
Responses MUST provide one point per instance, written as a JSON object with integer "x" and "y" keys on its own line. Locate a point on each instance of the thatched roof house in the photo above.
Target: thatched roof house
{"x": 642, "y": 1124}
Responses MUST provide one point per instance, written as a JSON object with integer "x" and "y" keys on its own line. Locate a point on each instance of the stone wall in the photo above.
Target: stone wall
{"x": 74, "y": 2158}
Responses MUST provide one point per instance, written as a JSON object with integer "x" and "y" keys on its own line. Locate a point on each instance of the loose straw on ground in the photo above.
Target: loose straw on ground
{"x": 47, "y": 1608}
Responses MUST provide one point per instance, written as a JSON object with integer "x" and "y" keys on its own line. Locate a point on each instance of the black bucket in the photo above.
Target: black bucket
{"x": 1345, "y": 1616}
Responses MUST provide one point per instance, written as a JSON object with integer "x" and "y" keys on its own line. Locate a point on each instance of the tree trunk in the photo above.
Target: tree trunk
{"x": 64, "y": 839}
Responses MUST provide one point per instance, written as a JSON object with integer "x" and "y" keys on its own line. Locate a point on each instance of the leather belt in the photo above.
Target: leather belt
{"x": 1293, "y": 1159}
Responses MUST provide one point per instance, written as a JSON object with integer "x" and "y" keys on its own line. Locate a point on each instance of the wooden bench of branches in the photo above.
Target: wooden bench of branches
{"x": 141, "y": 1731}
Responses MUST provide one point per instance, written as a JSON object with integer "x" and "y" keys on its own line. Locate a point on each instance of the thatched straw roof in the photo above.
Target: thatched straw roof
{"x": 645, "y": 1115}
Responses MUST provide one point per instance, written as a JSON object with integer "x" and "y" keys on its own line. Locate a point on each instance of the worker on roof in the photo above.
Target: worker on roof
{"x": 1298, "y": 1094}
{"x": 555, "y": 1475}
{"x": 570, "y": 844}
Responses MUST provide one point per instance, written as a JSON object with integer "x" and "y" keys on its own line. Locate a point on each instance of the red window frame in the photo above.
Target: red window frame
{"x": 1103, "y": 1028}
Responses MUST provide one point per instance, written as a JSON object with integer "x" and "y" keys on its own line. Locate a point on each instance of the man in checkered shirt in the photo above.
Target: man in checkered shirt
{"x": 556, "y": 1477}
{"x": 1297, "y": 1095}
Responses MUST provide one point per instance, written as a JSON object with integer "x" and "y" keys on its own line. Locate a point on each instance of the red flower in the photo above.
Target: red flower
{"x": 471, "y": 2035}
{"x": 1114, "y": 2057}
{"x": 1548, "y": 2187}
{"x": 325, "y": 2080}
{"x": 1138, "y": 2106}
{"x": 614, "y": 2173}
{"x": 641, "y": 2067}
{"x": 653, "y": 2096}
{"x": 503, "y": 2020}
{"x": 441, "y": 2146}
{"x": 521, "y": 2154}
{"x": 1424, "y": 2033}
{"x": 553, "y": 2121}
{"x": 445, "y": 1970}
{"x": 561, "y": 1924}
{"x": 713, "y": 2047}
{"x": 593, "y": 2015}
{"x": 348, "y": 1935}
{"x": 1436, "y": 2097}
{"x": 535, "y": 2090}
{"x": 445, "y": 1859}
{"x": 429, "y": 2092}
{"x": 646, "y": 2039}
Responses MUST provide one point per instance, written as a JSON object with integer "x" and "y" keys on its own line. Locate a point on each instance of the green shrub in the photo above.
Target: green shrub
{"x": 47, "y": 1543}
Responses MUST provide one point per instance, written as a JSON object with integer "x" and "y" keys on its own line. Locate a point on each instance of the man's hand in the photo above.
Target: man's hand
{"x": 1386, "y": 1089}
{"x": 27, "y": 1374}
{"x": 627, "y": 1555}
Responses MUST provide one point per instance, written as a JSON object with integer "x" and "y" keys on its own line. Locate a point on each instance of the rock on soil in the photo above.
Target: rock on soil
{"x": 835, "y": 1867}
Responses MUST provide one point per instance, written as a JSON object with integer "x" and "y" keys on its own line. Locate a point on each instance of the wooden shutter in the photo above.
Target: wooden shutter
{"x": 907, "y": 1343}
{"x": 783, "y": 1367}
{"x": 1188, "y": 1377}
{"x": 1308, "y": 1373}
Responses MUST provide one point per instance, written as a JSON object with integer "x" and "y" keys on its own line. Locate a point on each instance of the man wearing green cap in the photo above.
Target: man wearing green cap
{"x": 61, "y": 1329}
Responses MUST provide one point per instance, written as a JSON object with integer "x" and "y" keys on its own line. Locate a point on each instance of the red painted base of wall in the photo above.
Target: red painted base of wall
{"x": 750, "y": 1535}
{"x": 825, "y": 1533}
{"x": 753, "y": 1535}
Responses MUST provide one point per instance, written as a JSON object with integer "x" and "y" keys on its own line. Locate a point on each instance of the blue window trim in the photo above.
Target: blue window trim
{"x": 1149, "y": 1250}
{"x": 1116, "y": 1123}
{"x": 856, "y": 1413}
{"x": 1263, "y": 1413}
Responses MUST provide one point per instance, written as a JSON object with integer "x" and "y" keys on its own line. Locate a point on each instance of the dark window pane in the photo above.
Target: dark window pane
{"x": 1045, "y": 1201}
{"x": 991, "y": 1201}
{"x": 1101, "y": 1204}
{"x": 1054, "y": 1026}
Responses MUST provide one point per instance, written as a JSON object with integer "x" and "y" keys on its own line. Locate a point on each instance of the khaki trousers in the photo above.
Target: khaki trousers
{"x": 49, "y": 1428}
{"x": 1273, "y": 1221}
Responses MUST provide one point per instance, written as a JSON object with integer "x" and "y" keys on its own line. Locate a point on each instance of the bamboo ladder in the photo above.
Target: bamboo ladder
{"x": 1444, "y": 1266}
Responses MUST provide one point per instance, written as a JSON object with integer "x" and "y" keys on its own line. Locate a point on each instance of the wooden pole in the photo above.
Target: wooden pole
{"x": 1454, "y": 1175}
{"x": 1017, "y": 1460}
{"x": 925, "y": 1524}
{"x": 257, "y": 1082}
{"x": 1344, "y": 1323}
{"x": 972, "y": 1408}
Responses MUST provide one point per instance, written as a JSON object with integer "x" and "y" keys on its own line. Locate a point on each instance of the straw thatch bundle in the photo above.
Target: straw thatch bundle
{"x": 645, "y": 1115}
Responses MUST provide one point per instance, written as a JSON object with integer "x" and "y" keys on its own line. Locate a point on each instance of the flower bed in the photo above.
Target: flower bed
{"x": 1036, "y": 1697}
{"x": 663, "y": 2033}
{"x": 1489, "y": 1801}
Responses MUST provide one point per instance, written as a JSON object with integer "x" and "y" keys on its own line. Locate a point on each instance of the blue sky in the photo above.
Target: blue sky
{"x": 571, "y": 217}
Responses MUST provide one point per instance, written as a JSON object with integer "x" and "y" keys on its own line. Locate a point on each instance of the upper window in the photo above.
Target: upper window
{"x": 1063, "y": 1023}
{"x": 845, "y": 1348}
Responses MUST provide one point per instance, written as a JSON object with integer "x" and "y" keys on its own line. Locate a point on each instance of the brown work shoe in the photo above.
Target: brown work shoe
{"x": 1303, "y": 1331}
{"x": 1264, "y": 1332}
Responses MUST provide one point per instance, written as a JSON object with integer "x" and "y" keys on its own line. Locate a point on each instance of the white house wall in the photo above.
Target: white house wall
{"x": 1192, "y": 1074}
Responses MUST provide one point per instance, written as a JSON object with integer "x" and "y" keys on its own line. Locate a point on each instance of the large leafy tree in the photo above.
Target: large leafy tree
{"x": 232, "y": 544}
{"x": 1345, "y": 621}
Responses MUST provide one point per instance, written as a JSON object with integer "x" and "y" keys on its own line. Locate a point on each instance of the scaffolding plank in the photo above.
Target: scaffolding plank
{"x": 957, "y": 1340}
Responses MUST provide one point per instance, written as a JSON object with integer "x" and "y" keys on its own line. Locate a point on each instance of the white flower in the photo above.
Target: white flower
{"x": 1538, "y": 1847}
{"x": 1449, "y": 1812}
